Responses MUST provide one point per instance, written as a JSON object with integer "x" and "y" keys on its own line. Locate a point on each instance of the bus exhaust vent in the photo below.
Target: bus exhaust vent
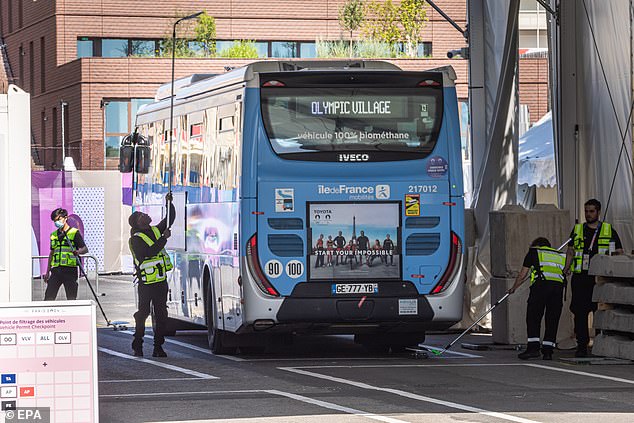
{"x": 286, "y": 245}
{"x": 422, "y": 244}
{"x": 288, "y": 224}
{"x": 422, "y": 222}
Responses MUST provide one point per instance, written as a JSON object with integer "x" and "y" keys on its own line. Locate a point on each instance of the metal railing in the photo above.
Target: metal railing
{"x": 87, "y": 256}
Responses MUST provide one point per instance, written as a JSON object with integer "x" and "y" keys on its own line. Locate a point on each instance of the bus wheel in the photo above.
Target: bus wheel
{"x": 217, "y": 338}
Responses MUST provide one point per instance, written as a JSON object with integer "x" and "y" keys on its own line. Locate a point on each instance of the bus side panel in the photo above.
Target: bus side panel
{"x": 252, "y": 131}
{"x": 451, "y": 130}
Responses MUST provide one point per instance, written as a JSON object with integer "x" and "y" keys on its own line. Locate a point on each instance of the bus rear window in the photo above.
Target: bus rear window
{"x": 386, "y": 123}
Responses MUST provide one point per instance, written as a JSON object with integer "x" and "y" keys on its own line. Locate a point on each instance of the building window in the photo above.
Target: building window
{"x": 263, "y": 48}
{"x": 21, "y": 65}
{"x": 54, "y": 125}
{"x": 143, "y": 48}
{"x": 20, "y": 13}
{"x": 114, "y": 48}
{"x": 42, "y": 65}
{"x": 10, "y": 15}
{"x": 43, "y": 138}
{"x": 424, "y": 49}
{"x": 31, "y": 70}
{"x": 307, "y": 50}
{"x": 283, "y": 49}
{"x": 85, "y": 47}
{"x": 119, "y": 121}
{"x": 223, "y": 46}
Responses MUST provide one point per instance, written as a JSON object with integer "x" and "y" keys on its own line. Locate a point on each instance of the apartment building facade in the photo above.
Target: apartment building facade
{"x": 89, "y": 65}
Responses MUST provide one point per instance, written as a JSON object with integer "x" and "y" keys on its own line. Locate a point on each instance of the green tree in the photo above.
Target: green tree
{"x": 206, "y": 34}
{"x": 241, "y": 49}
{"x": 413, "y": 16}
{"x": 382, "y": 23}
{"x": 351, "y": 16}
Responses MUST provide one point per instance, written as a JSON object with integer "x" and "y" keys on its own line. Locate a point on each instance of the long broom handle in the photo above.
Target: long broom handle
{"x": 497, "y": 303}
{"x": 83, "y": 272}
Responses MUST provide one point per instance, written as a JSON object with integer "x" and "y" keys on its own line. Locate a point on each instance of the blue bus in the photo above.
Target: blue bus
{"x": 312, "y": 197}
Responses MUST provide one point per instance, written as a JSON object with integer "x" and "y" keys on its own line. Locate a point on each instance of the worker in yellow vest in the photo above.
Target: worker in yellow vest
{"x": 546, "y": 267}
{"x": 591, "y": 238}
{"x": 151, "y": 263}
{"x": 66, "y": 246}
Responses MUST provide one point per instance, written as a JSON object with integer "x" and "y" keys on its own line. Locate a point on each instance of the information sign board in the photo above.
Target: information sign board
{"x": 48, "y": 360}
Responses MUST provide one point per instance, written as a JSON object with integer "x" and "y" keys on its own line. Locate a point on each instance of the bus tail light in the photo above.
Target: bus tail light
{"x": 455, "y": 255}
{"x": 274, "y": 84}
{"x": 429, "y": 83}
{"x": 254, "y": 266}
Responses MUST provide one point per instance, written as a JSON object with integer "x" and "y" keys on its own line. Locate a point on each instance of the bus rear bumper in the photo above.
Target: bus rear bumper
{"x": 354, "y": 310}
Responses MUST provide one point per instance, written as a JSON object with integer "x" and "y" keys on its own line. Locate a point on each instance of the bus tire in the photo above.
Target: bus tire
{"x": 217, "y": 338}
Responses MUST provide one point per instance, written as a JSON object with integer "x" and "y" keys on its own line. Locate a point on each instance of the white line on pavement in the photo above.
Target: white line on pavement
{"x": 167, "y": 394}
{"x": 410, "y": 395}
{"x": 150, "y": 380}
{"x": 308, "y": 400}
{"x": 577, "y": 372}
{"x": 158, "y": 364}
{"x": 350, "y": 366}
{"x": 191, "y": 347}
{"x": 335, "y": 407}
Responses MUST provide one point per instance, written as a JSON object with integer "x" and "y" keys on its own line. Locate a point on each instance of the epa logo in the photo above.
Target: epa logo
{"x": 382, "y": 192}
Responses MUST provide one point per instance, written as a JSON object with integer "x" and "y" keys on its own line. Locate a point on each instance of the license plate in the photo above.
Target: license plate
{"x": 355, "y": 288}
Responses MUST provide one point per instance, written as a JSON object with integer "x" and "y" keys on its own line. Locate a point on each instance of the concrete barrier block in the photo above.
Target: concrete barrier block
{"x": 613, "y": 266}
{"x": 614, "y": 293}
{"x": 549, "y": 221}
{"x": 621, "y": 320}
{"x": 509, "y": 318}
{"x": 509, "y": 242}
{"x": 513, "y": 228}
{"x": 469, "y": 228}
{"x": 613, "y": 346}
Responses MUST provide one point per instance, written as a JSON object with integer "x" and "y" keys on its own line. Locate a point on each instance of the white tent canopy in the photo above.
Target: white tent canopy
{"x": 537, "y": 154}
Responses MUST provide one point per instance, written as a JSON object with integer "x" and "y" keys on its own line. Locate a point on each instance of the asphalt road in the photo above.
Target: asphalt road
{"x": 330, "y": 378}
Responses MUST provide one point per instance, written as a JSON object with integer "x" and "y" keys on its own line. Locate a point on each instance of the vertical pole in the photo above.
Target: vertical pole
{"x": 63, "y": 105}
{"x": 171, "y": 132}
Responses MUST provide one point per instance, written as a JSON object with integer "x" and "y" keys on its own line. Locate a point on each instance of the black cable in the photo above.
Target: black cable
{"x": 623, "y": 135}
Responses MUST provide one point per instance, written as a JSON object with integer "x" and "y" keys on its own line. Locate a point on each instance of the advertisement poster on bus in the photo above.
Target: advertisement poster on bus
{"x": 354, "y": 241}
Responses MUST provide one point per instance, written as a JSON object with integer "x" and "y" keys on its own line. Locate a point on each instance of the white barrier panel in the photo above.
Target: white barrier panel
{"x": 48, "y": 360}
{"x": 15, "y": 196}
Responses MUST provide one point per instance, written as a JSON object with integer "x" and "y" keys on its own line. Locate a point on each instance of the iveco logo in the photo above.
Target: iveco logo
{"x": 354, "y": 157}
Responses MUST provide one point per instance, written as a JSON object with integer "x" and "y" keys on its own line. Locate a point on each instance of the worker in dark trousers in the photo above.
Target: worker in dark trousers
{"x": 66, "y": 246}
{"x": 588, "y": 239}
{"x": 546, "y": 266}
{"x": 151, "y": 262}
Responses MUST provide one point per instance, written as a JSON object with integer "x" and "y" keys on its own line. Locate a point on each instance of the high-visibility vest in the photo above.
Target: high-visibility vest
{"x": 152, "y": 269}
{"x": 62, "y": 251}
{"x": 551, "y": 265}
{"x": 603, "y": 243}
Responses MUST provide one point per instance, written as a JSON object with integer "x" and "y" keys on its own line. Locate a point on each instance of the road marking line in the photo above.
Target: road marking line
{"x": 350, "y": 366}
{"x": 191, "y": 347}
{"x": 410, "y": 395}
{"x": 324, "y": 359}
{"x": 577, "y": 372}
{"x": 149, "y": 380}
{"x": 301, "y": 398}
{"x": 335, "y": 407}
{"x": 158, "y": 364}
{"x": 166, "y": 394}
{"x": 447, "y": 351}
